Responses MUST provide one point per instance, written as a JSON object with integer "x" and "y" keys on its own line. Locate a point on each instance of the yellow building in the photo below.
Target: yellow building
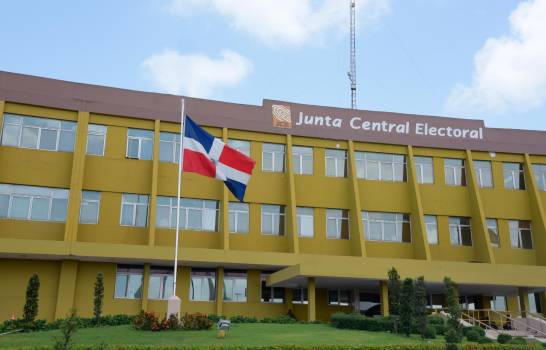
{"x": 88, "y": 181}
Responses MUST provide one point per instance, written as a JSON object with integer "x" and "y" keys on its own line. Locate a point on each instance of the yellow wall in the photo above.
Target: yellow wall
{"x": 113, "y": 175}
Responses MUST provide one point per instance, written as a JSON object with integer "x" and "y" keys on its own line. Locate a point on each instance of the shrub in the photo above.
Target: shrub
{"x": 30, "y": 310}
{"x": 477, "y": 329}
{"x": 438, "y": 322}
{"x": 452, "y": 346}
{"x": 215, "y": 318}
{"x": 146, "y": 321}
{"x": 98, "y": 297}
{"x": 356, "y": 321}
{"x": 243, "y": 319}
{"x": 452, "y": 336}
{"x": 68, "y": 327}
{"x": 196, "y": 321}
{"x": 504, "y": 338}
{"x": 430, "y": 332}
{"x": 485, "y": 340}
{"x": 472, "y": 335}
{"x": 283, "y": 319}
{"x": 517, "y": 341}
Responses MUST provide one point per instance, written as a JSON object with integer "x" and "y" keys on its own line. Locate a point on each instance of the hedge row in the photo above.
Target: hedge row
{"x": 83, "y": 322}
{"x": 429, "y": 346}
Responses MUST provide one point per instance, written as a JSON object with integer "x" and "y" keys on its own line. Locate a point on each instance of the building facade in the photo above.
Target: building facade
{"x": 88, "y": 181}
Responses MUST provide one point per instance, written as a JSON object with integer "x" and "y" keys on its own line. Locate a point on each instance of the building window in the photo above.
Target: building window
{"x": 305, "y": 222}
{"x": 459, "y": 231}
{"x": 89, "y": 210}
{"x": 540, "y": 176}
{"x": 169, "y": 147}
{"x": 161, "y": 283}
{"x": 520, "y": 234}
{"x": 483, "y": 173}
{"x": 513, "y": 176}
{"x": 299, "y": 296}
{"x": 203, "y": 285}
{"x": 96, "y": 139}
{"x": 380, "y": 166}
{"x": 302, "y": 157}
{"x": 273, "y": 295}
{"x": 431, "y": 224}
{"x": 238, "y": 217}
{"x": 387, "y": 227}
{"x": 195, "y": 214}
{"x": 129, "y": 282}
{"x": 134, "y": 210}
{"x": 336, "y": 163}
{"x": 241, "y": 146}
{"x": 424, "y": 170}
{"x": 273, "y": 220}
{"x": 33, "y": 203}
{"x": 341, "y": 297}
{"x": 140, "y": 144}
{"x": 273, "y": 157}
{"x": 235, "y": 283}
{"x": 498, "y": 303}
{"x": 454, "y": 172}
{"x": 337, "y": 223}
{"x": 38, "y": 133}
{"x": 493, "y": 229}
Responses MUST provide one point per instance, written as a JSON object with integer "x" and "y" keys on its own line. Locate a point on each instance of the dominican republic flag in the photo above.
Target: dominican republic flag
{"x": 206, "y": 155}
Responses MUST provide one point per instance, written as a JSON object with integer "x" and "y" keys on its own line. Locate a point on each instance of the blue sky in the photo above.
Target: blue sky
{"x": 467, "y": 58}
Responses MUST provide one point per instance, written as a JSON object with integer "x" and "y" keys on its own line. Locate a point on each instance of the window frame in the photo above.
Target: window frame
{"x": 236, "y": 213}
{"x": 234, "y": 276}
{"x": 51, "y": 194}
{"x": 273, "y": 153}
{"x": 337, "y": 159}
{"x": 495, "y": 229}
{"x": 185, "y": 213}
{"x": 479, "y": 172}
{"x": 304, "y": 300}
{"x": 203, "y": 274}
{"x": 230, "y": 143}
{"x": 165, "y": 274}
{"x": 281, "y": 214}
{"x": 453, "y": 169}
{"x": 298, "y": 222}
{"x": 90, "y": 201}
{"x": 171, "y": 144}
{"x": 362, "y": 157}
{"x": 95, "y": 133}
{"x": 140, "y": 140}
{"x": 520, "y": 238}
{"x": 519, "y": 174}
{"x": 58, "y": 131}
{"x": 397, "y": 223}
{"x": 539, "y": 172}
{"x": 338, "y": 292}
{"x": 428, "y": 224}
{"x": 422, "y": 166}
{"x": 301, "y": 156}
{"x": 134, "y": 210}
{"x": 128, "y": 273}
{"x": 459, "y": 226}
{"x": 338, "y": 224}
{"x": 263, "y": 281}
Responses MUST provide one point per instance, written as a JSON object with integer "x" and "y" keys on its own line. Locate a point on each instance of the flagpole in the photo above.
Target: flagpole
{"x": 180, "y": 169}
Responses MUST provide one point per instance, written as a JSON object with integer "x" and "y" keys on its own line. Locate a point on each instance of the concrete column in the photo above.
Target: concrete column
{"x": 538, "y": 216}
{"x": 76, "y": 182}
{"x": 224, "y": 207}
{"x": 356, "y": 300}
{"x": 288, "y": 300}
{"x": 486, "y": 302}
{"x": 357, "y": 234}
{"x": 145, "y": 287}
{"x": 523, "y": 295}
{"x": 67, "y": 288}
{"x": 311, "y": 297}
{"x": 219, "y": 290}
{"x": 291, "y": 213}
{"x": 512, "y": 305}
{"x": 421, "y": 248}
{"x": 480, "y": 235}
{"x": 542, "y": 300}
{"x": 153, "y": 189}
{"x": 384, "y": 297}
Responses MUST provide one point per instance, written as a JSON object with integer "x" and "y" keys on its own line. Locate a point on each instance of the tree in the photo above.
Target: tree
{"x": 454, "y": 310}
{"x": 420, "y": 306}
{"x": 406, "y": 306}
{"x": 68, "y": 328}
{"x": 98, "y": 297}
{"x": 394, "y": 296}
{"x": 30, "y": 311}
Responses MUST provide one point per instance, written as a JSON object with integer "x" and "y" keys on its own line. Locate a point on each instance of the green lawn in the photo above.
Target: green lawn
{"x": 240, "y": 334}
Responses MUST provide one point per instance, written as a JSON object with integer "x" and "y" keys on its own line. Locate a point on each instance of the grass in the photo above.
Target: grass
{"x": 250, "y": 334}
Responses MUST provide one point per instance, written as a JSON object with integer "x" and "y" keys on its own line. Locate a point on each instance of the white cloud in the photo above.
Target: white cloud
{"x": 195, "y": 75}
{"x": 509, "y": 71}
{"x": 286, "y": 22}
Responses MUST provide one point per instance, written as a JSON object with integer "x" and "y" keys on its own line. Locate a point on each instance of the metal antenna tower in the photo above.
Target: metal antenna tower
{"x": 352, "y": 68}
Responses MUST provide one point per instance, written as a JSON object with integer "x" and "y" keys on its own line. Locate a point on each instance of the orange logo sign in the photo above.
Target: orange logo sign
{"x": 281, "y": 116}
